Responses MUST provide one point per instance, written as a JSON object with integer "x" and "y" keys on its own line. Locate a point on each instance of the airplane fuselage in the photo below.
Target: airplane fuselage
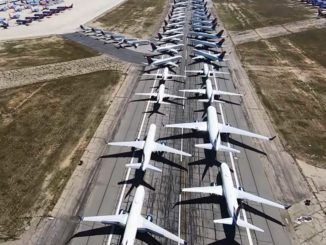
{"x": 160, "y": 94}
{"x": 130, "y": 233}
{"x": 209, "y": 90}
{"x": 228, "y": 190}
{"x": 147, "y": 151}
{"x": 212, "y": 127}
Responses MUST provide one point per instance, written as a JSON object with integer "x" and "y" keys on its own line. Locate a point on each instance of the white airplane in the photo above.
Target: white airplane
{"x": 170, "y": 61}
{"x": 204, "y": 27}
{"x": 214, "y": 129}
{"x": 210, "y": 92}
{"x": 148, "y": 146}
{"x": 165, "y": 75}
{"x": 206, "y": 73}
{"x": 172, "y": 38}
{"x": 204, "y": 35}
{"x": 232, "y": 195}
{"x": 132, "y": 42}
{"x": 161, "y": 95}
{"x": 86, "y": 29}
{"x": 178, "y": 18}
{"x": 134, "y": 222}
{"x": 207, "y": 44}
{"x": 173, "y": 25}
{"x": 202, "y": 55}
{"x": 167, "y": 49}
{"x": 178, "y": 30}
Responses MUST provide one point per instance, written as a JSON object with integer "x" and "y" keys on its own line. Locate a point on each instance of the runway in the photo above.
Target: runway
{"x": 193, "y": 217}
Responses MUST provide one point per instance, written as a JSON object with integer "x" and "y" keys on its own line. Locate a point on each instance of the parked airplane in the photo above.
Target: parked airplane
{"x": 167, "y": 49}
{"x": 201, "y": 55}
{"x": 214, "y": 129}
{"x": 132, "y": 42}
{"x": 148, "y": 146}
{"x": 205, "y": 72}
{"x": 170, "y": 61}
{"x": 209, "y": 92}
{"x": 232, "y": 195}
{"x": 173, "y": 31}
{"x": 200, "y": 28}
{"x": 204, "y": 35}
{"x": 134, "y": 222}
{"x": 174, "y": 38}
{"x": 161, "y": 95}
{"x": 165, "y": 76}
{"x": 207, "y": 44}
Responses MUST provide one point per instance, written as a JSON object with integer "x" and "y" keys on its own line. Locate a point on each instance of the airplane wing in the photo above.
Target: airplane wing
{"x": 232, "y": 130}
{"x": 171, "y": 64}
{"x": 149, "y": 74}
{"x": 194, "y": 71}
{"x": 147, "y": 94}
{"x": 201, "y": 126}
{"x": 155, "y": 229}
{"x": 251, "y": 197}
{"x": 217, "y": 190}
{"x": 120, "y": 219}
{"x": 161, "y": 147}
{"x": 172, "y": 75}
{"x": 200, "y": 91}
{"x": 137, "y": 144}
{"x": 219, "y": 92}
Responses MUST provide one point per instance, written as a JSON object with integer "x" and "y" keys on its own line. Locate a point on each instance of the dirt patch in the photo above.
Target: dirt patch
{"x": 289, "y": 77}
{"x": 135, "y": 18}
{"x": 43, "y": 141}
{"x": 40, "y": 51}
{"x": 238, "y": 15}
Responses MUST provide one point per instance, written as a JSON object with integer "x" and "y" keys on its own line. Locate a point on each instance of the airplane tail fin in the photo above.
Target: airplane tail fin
{"x": 207, "y": 146}
{"x": 221, "y": 56}
{"x": 153, "y": 46}
{"x": 165, "y": 22}
{"x": 214, "y": 21}
{"x": 164, "y": 29}
{"x": 214, "y": 26}
{"x": 159, "y": 36}
{"x": 149, "y": 60}
{"x": 220, "y": 33}
{"x": 209, "y": 15}
{"x": 239, "y": 222}
{"x": 219, "y": 44}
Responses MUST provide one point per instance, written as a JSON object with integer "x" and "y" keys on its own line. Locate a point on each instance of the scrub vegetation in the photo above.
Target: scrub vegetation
{"x": 239, "y": 15}
{"x": 289, "y": 74}
{"x": 44, "y": 129}
{"x": 138, "y": 18}
{"x": 40, "y": 51}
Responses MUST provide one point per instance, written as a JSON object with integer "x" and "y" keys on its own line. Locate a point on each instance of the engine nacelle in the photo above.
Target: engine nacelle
{"x": 149, "y": 218}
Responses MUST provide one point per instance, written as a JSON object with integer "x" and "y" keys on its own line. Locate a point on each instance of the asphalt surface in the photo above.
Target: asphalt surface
{"x": 123, "y": 54}
{"x": 196, "y": 211}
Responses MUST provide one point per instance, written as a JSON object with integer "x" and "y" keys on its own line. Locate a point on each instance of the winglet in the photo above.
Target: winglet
{"x": 271, "y": 138}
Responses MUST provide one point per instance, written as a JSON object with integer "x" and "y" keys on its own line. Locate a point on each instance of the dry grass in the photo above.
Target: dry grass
{"x": 42, "y": 139}
{"x": 40, "y": 51}
{"x": 289, "y": 75}
{"x": 138, "y": 18}
{"x": 238, "y": 15}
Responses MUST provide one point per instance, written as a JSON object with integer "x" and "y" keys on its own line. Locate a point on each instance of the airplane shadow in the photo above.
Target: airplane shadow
{"x": 114, "y": 230}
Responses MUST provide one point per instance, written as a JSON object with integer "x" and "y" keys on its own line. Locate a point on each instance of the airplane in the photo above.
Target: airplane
{"x": 175, "y": 19}
{"x": 131, "y": 42}
{"x": 167, "y": 49}
{"x": 165, "y": 76}
{"x": 214, "y": 129}
{"x": 206, "y": 73}
{"x": 210, "y": 92}
{"x": 204, "y": 35}
{"x": 207, "y": 44}
{"x": 203, "y": 27}
{"x": 161, "y": 95}
{"x": 173, "y": 25}
{"x": 201, "y": 55}
{"x": 232, "y": 195}
{"x": 4, "y": 23}
{"x": 134, "y": 222}
{"x": 173, "y": 38}
{"x": 202, "y": 16}
{"x": 170, "y": 61}
{"x": 148, "y": 146}
{"x": 178, "y": 30}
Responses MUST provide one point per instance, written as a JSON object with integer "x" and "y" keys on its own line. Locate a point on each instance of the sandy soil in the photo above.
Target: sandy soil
{"x": 65, "y": 22}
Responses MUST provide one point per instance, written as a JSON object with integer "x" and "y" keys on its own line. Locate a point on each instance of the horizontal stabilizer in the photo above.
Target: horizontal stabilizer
{"x": 227, "y": 149}
{"x": 207, "y": 146}
{"x": 134, "y": 165}
{"x": 241, "y": 223}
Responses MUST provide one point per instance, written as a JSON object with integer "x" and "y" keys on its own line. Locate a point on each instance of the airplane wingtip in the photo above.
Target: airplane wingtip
{"x": 271, "y": 138}
{"x": 287, "y": 207}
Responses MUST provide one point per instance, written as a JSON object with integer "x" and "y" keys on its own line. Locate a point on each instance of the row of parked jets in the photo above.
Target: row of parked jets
{"x": 203, "y": 37}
